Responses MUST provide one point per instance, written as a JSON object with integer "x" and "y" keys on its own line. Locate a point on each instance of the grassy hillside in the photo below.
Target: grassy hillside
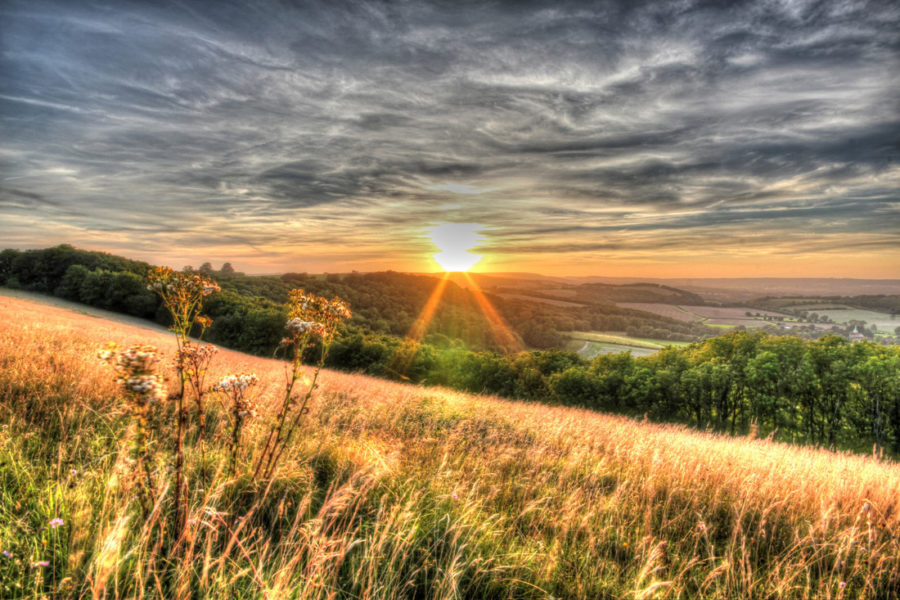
{"x": 396, "y": 491}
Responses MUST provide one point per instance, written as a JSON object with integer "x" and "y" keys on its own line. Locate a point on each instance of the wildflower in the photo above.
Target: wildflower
{"x": 242, "y": 407}
{"x": 54, "y": 523}
{"x": 203, "y": 321}
{"x": 842, "y": 584}
{"x": 299, "y": 327}
{"x": 6, "y": 553}
{"x": 40, "y": 563}
{"x": 455, "y": 496}
{"x": 135, "y": 367}
{"x": 315, "y": 315}
{"x": 182, "y": 294}
{"x": 108, "y": 352}
{"x": 169, "y": 283}
{"x": 193, "y": 361}
{"x": 231, "y": 383}
{"x": 309, "y": 317}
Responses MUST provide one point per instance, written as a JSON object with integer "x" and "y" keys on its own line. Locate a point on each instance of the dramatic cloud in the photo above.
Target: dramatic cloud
{"x": 584, "y": 137}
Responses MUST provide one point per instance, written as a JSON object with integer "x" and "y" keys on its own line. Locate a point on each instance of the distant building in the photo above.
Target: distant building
{"x": 856, "y": 336}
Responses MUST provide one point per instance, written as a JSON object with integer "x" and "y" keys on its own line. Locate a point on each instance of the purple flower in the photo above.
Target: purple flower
{"x": 56, "y": 522}
{"x": 454, "y": 496}
{"x": 7, "y": 553}
{"x": 40, "y": 563}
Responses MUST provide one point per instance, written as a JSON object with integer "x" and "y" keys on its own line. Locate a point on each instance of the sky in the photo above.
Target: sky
{"x": 619, "y": 138}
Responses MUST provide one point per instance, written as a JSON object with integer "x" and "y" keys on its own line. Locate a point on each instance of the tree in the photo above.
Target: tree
{"x": 227, "y": 269}
{"x": 6, "y": 261}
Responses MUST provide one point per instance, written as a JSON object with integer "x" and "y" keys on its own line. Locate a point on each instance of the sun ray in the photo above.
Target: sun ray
{"x": 503, "y": 335}
{"x": 420, "y": 326}
{"x": 404, "y": 355}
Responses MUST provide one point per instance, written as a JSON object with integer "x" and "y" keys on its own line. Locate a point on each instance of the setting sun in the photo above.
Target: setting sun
{"x": 454, "y": 240}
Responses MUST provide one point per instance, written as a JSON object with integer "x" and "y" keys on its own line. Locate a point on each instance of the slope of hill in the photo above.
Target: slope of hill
{"x": 395, "y": 491}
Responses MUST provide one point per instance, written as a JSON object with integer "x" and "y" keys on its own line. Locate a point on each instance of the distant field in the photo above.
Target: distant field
{"x": 746, "y": 322}
{"x": 716, "y": 316}
{"x": 854, "y": 314}
{"x": 598, "y": 336}
{"x": 665, "y": 310}
{"x": 590, "y": 350}
{"x": 722, "y": 312}
{"x": 592, "y": 343}
{"x": 561, "y": 292}
{"x": 541, "y": 300}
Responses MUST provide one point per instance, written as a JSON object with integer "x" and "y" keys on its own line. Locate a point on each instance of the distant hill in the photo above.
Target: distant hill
{"x": 739, "y": 289}
{"x": 603, "y": 294}
{"x": 635, "y": 292}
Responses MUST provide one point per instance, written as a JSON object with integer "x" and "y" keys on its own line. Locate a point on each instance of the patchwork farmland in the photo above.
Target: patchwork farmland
{"x": 708, "y": 315}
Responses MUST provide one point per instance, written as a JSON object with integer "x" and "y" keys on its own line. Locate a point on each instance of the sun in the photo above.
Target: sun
{"x": 454, "y": 240}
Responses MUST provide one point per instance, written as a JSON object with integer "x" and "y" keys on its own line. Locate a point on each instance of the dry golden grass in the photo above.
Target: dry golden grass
{"x": 400, "y": 491}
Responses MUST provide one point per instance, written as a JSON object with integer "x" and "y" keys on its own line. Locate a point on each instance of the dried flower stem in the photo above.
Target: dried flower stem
{"x": 182, "y": 294}
{"x": 310, "y": 317}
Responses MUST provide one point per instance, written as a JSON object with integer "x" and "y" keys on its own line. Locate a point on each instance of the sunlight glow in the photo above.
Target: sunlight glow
{"x": 454, "y": 240}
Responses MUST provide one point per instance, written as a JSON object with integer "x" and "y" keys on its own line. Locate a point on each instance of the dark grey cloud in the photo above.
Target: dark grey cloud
{"x": 296, "y": 128}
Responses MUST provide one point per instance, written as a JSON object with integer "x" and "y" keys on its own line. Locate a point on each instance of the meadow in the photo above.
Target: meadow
{"x": 589, "y": 350}
{"x": 399, "y": 491}
{"x": 844, "y": 315}
{"x": 589, "y": 344}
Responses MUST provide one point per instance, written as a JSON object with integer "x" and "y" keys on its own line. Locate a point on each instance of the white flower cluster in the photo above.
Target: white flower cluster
{"x": 232, "y": 383}
{"x": 108, "y": 353}
{"x": 165, "y": 281}
{"x": 196, "y": 355}
{"x": 135, "y": 371}
{"x": 137, "y": 359}
{"x": 299, "y": 327}
{"x": 147, "y": 388}
{"x": 338, "y": 309}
